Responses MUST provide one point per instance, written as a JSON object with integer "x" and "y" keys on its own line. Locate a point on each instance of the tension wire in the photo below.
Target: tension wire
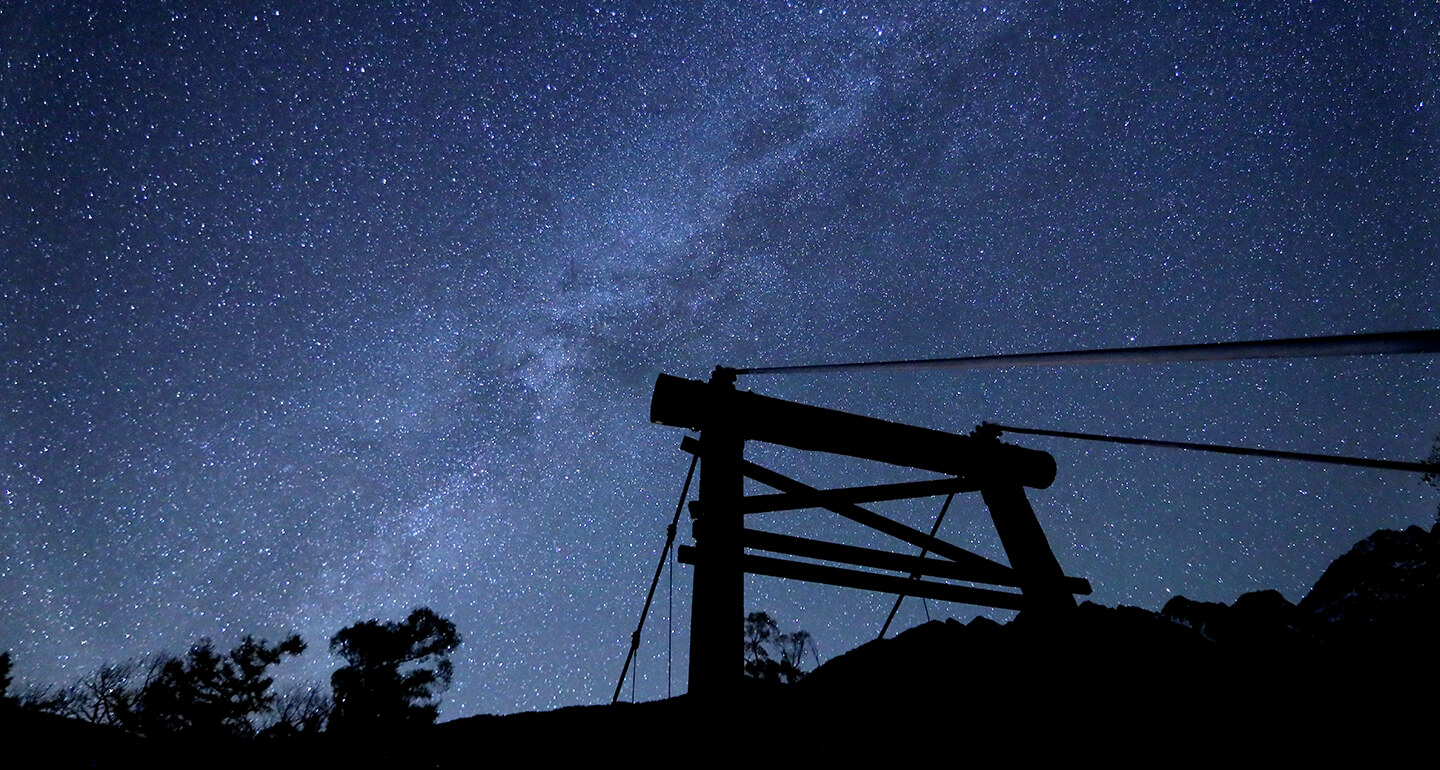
{"x": 1360, "y": 462}
{"x": 1420, "y": 341}
{"x": 664, "y": 557}
{"x": 916, "y": 576}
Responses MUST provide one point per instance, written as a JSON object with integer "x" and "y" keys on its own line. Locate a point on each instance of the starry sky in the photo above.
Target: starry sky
{"x": 315, "y": 313}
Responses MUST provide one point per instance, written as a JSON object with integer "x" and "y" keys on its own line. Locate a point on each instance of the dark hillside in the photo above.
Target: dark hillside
{"x": 1348, "y": 670}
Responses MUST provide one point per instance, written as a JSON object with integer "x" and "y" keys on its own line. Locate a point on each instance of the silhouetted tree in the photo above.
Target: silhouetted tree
{"x": 394, "y": 672}
{"x": 106, "y": 696}
{"x": 33, "y": 697}
{"x": 759, "y": 630}
{"x": 210, "y": 693}
{"x": 203, "y": 693}
{"x": 5, "y": 700}
{"x": 792, "y": 650}
{"x": 1433, "y": 477}
{"x": 300, "y": 710}
{"x": 762, "y": 635}
{"x": 47, "y": 698}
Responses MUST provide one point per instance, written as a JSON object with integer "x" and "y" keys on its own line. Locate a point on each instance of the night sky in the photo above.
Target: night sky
{"x": 314, "y": 315}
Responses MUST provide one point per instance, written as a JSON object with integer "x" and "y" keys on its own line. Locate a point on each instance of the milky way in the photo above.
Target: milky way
{"x": 310, "y": 318}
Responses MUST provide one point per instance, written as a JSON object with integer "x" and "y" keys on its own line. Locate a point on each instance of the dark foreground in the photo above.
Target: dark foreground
{"x": 1350, "y": 672}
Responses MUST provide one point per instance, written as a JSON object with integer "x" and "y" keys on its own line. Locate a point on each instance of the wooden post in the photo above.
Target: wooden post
{"x": 719, "y": 595}
{"x": 1041, "y": 580}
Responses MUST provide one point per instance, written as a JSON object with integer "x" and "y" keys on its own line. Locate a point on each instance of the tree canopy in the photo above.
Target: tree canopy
{"x": 392, "y": 676}
{"x": 1433, "y": 477}
{"x": 5, "y": 699}
{"x": 209, "y": 692}
{"x": 770, "y": 655}
{"x": 394, "y": 672}
{"x": 202, "y": 693}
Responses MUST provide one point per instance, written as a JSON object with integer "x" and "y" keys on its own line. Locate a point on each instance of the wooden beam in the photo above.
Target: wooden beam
{"x": 695, "y": 405}
{"x": 855, "y": 513}
{"x": 870, "y": 581}
{"x": 1028, "y": 550}
{"x": 998, "y": 574}
{"x": 824, "y": 498}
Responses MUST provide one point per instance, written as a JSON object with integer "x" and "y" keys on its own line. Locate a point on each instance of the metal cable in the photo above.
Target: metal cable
{"x": 664, "y": 557}
{"x": 916, "y": 576}
{"x": 1361, "y": 462}
{"x": 1421, "y": 341}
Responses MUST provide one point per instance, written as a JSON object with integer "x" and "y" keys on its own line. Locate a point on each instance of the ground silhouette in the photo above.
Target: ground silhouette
{"x": 1345, "y": 673}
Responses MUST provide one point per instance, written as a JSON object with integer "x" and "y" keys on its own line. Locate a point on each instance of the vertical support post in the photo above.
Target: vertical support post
{"x": 1042, "y": 582}
{"x": 719, "y": 593}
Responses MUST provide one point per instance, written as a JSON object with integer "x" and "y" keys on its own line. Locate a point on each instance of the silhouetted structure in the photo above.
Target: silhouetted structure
{"x": 726, "y": 419}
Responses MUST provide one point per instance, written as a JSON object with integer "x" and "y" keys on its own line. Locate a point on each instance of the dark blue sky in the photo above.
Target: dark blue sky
{"x": 316, "y": 315}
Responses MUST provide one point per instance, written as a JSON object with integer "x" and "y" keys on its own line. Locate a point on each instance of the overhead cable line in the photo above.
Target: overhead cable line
{"x": 1362, "y": 462}
{"x": 1421, "y": 341}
